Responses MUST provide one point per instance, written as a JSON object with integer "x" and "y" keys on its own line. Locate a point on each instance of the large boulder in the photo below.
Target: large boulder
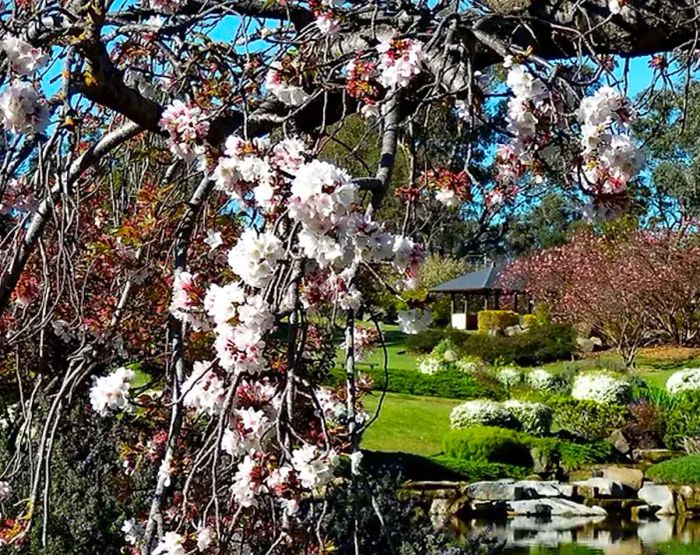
{"x": 600, "y": 487}
{"x": 652, "y": 456}
{"x": 660, "y": 498}
{"x": 553, "y": 507}
{"x": 502, "y": 490}
{"x": 618, "y": 440}
{"x": 688, "y": 499}
{"x": 633, "y": 478}
{"x": 537, "y": 489}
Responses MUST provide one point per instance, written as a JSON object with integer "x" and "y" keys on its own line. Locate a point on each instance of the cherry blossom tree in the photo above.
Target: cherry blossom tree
{"x": 175, "y": 253}
{"x": 634, "y": 290}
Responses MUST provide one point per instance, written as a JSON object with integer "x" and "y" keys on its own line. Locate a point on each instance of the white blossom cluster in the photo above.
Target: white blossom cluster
{"x": 288, "y": 93}
{"x": 166, "y": 6}
{"x": 430, "y": 365}
{"x": 509, "y": 376}
{"x": 313, "y": 466}
{"x": 171, "y": 543}
{"x": 532, "y": 418}
{"x": 335, "y": 409}
{"x": 540, "y": 379}
{"x": 610, "y": 155}
{"x": 110, "y": 393}
{"x": 326, "y": 18}
{"x": 481, "y": 412}
{"x": 204, "y": 390}
{"x": 684, "y": 380}
{"x": 414, "y": 320}
{"x": 24, "y": 59}
{"x": 400, "y": 60}
{"x": 185, "y": 304}
{"x": 22, "y": 110}
{"x": 187, "y": 127}
{"x": 601, "y": 387}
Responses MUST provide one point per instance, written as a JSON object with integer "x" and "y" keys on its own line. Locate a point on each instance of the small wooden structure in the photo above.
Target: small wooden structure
{"x": 480, "y": 290}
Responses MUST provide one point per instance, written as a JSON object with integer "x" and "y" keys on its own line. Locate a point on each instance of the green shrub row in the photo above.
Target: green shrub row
{"x": 501, "y": 446}
{"x": 476, "y": 470}
{"x": 445, "y": 383}
{"x": 683, "y": 470}
{"x": 538, "y": 344}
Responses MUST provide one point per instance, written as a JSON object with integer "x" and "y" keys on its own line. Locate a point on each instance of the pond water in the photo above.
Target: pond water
{"x": 590, "y": 536}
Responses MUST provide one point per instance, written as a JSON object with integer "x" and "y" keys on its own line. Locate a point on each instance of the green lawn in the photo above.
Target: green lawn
{"x": 399, "y": 358}
{"x": 407, "y": 423}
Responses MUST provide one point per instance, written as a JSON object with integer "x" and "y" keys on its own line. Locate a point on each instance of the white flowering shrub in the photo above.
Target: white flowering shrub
{"x": 541, "y": 380}
{"x": 481, "y": 412}
{"x": 430, "y": 365}
{"x": 684, "y": 380}
{"x": 601, "y": 387}
{"x": 468, "y": 365}
{"x": 532, "y": 418}
{"x": 509, "y": 376}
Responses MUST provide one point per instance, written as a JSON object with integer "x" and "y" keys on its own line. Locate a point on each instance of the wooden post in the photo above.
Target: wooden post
{"x": 496, "y": 300}
{"x": 452, "y": 303}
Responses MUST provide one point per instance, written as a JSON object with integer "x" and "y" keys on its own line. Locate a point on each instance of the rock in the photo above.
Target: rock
{"x": 556, "y": 507}
{"x": 627, "y": 476}
{"x": 490, "y": 509}
{"x": 688, "y": 499}
{"x": 585, "y": 345}
{"x": 599, "y": 487}
{"x": 510, "y": 331}
{"x": 660, "y": 498}
{"x": 495, "y": 491}
{"x": 440, "y": 511}
{"x": 652, "y": 456}
{"x": 618, "y": 507}
{"x": 542, "y": 463}
{"x": 619, "y": 442}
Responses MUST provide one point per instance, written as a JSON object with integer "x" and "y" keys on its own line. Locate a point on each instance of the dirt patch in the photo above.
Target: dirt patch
{"x": 670, "y": 353}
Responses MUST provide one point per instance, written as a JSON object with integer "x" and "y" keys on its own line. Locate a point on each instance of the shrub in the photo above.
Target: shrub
{"x": 509, "y": 376}
{"x": 537, "y": 345}
{"x": 646, "y": 426}
{"x": 530, "y": 320}
{"x": 430, "y": 365}
{"x": 682, "y": 419}
{"x": 601, "y": 387}
{"x": 488, "y": 320}
{"x": 586, "y": 419}
{"x": 683, "y": 470}
{"x": 468, "y": 365}
{"x": 684, "y": 380}
{"x": 477, "y": 471}
{"x": 449, "y": 383}
{"x": 483, "y": 443}
{"x": 532, "y": 418}
{"x": 541, "y": 380}
{"x": 445, "y": 350}
{"x": 481, "y": 412}
{"x": 573, "y": 456}
{"x": 424, "y": 342}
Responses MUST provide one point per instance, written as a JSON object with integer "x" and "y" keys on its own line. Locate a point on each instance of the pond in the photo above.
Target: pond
{"x": 590, "y": 536}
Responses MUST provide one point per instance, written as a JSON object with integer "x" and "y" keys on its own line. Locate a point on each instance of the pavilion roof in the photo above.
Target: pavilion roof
{"x": 486, "y": 279}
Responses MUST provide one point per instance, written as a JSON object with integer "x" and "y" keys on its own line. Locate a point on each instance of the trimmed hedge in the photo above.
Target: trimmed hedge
{"x": 683, "y": 470}
{"x": 536, "y": 345}
{"x": 488, "y": 320}
{"x": 476, "y": 471}
{"x": 450, "y": 383}
{"x": 487, "y": 443}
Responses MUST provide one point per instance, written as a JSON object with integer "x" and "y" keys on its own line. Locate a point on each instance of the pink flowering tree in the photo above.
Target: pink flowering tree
{"x": 176, "y": 256}
{"x": 634, "y": 290}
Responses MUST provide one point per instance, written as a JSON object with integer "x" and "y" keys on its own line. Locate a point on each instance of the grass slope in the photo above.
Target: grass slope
{"x": 409, "y": 424}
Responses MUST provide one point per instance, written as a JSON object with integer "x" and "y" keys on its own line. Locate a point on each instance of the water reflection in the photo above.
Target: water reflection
{"x": 590, "y": 535}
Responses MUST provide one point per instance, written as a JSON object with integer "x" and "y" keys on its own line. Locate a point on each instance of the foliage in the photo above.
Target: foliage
{"x": 481, "y": 412}
{"x": 683, "y": 470}
{"x": 448, "y": 383}
{"x": 530, "y": 320}
{"x": 478, "y": 470}
{"x": 646, "y": 426}
{"x": 541, "y": 380}
{"x": 586, "y": 419}
{"x": 384, "y": 521}
{"x": 682, "y": 419}
{"x": 491, "y": 320}
{"x": 485, "y": 443}
{"x": 602, "y": 387}
{"x": 532, "y": 418}
{"x": 536, "y": 345}
{"x": 426, "y": 341}
{"x": 571, "y": 455}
